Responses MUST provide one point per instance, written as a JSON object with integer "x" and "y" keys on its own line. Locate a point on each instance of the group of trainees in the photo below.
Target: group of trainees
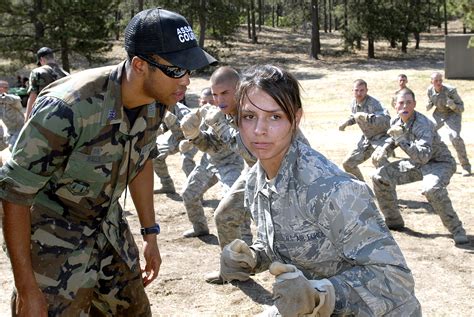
{"x": 318, "y": 229}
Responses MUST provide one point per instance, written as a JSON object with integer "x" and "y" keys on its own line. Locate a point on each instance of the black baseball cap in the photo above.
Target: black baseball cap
{"x": 43, "y": 52}
{"x": 168, "y": 35}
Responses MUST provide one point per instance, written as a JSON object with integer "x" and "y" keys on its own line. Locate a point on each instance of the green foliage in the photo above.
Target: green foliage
{"x": 69, "y": 26}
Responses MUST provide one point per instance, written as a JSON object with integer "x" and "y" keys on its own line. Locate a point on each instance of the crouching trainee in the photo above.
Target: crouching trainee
{"x": 318, "y": 229}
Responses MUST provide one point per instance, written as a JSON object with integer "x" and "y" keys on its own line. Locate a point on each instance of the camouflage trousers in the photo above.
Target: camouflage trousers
{"x": 364, "y": 150}
{"x": 102, "y": 286}
{"x": 452, "y": 121}
{"x": 198, "y": 182}
{"x": 231, "y": 217}
{"x": 169, "y": 148}
{"x": 435, "y": 176}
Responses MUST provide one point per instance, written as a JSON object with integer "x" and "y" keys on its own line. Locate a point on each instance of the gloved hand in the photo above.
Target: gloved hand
{"x": 237, "y": 261}
{"x": 397, "y": 132}
{"x": 190, "y": 124}
{"x": 343, "y": 126}
{"x": 295, "y": 295}
{"x": 451, "y": 105}
{"x": 169, "y": 119}
{"x": 360, "y": 116}
{"x": 185, "y": 146}
{"x": 214, "y": 116}
{"x": 379, "y": 155}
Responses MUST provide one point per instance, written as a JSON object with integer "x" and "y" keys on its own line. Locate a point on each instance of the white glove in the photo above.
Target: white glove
{"x": 185, "y": 146}
{"x": 169, "y": 119}
{"x": 295, "y": 295}
{"x": 379, "y": 155}
{"x": 451, "y": 105}
{"x": 237, "y": 261}
{"x": 397, "y": 132}
{"x": 214, "y": 116}
{"x": 360, "y": 116}
{"x": 190, "y": 124}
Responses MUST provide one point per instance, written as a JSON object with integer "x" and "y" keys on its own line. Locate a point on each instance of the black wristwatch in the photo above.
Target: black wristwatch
{"x": 150, "y": 230}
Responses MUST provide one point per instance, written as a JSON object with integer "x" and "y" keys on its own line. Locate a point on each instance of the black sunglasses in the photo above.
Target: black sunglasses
{"x": 170, "y": 71}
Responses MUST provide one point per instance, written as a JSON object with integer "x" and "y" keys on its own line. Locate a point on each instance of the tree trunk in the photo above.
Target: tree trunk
{"x": 370, "y": 47}
{"x": 405, "y": 43}
{"x": 345, "y": 14}
{"x": 260, "y": 13}
{"x": 140, "y": 5}
{"x": 38, "y": 24}
{"x": 417, "y": 39}
{"x": 315, "y": 40}
{"x": 202, "y": 22}
{"x": 330, "y": 16}
{"x": 248, "y": 22}
{"x": 325, "y": 16}
{"x": 252, "y": 17}
{"x": 273, "y": 16}
{"x": 445, "y": 18}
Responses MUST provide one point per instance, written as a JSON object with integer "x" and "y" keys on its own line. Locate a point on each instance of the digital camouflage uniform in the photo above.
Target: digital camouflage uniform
{"x": 168, "y": 144}
{"x": 42, "y": 76}
{"x": 72, "y": 162}
{"x": 429, "y": 160}
{"x": 444, "y": 115}
{"x": 218, "y": 163}
{"x": 374, "y": 130}
{"x": 318, "y": 218}
{"x": 11, "y": 113}
{"x": 231, "y": 218}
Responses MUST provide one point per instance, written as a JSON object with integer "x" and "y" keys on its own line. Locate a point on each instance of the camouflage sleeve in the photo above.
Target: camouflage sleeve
{"x": 42, "y": 147}
{"x": 420, "y": 149}
{"x": 454, "y": 96}
{"x": 377, "y": 280}
{"x": 208, "y": 142}
{"x": 430, "y": 103}
{"x": 378, "y": 116}
{"x": 33, "y": 82}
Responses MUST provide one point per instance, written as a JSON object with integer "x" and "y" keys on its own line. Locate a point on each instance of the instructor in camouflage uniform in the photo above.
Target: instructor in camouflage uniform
{"x": 373, "y": 120}
{"x": 318, "y": 230}
{"x": 429, "y": 160}
{"x": 448, "y": 111}
{"x": 47, "y": 72}
{"x": 11, "y": 113}
{"x": 90, "y": 136}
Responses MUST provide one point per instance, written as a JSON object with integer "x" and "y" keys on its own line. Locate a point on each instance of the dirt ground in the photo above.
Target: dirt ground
{"x": 443, "y": 273}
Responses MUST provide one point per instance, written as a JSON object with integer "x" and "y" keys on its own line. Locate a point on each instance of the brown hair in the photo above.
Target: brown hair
{"x": 277, "y": 83}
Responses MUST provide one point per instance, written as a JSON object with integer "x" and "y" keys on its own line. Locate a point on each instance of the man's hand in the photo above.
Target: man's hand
{"x": 343, "y": 126}
{"x": 360, "y": 116}
{"x": 295, "y": 295}
{"x": 31, "y": 303}
{"x": 451, "y": 105}
{"x": 169, "y": 119}
{"x": 237, "y": 261}
{"x": 152, "y": 256}
{"x": 185, "y": 146}
{"x": 380, "y": 154}
{"x": 214, "y": 116}
{"x": 397, "y": 132}
{"x": 190, "y": 124}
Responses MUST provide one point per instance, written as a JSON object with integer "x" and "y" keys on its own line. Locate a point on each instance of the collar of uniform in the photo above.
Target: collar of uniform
{"x": 283, "y": 176}
{"x": 112, "y": 112}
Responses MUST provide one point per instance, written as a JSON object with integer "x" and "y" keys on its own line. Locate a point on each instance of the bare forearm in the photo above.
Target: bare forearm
{"x": 29, "y": 104}
{"x": 141, "y": 190}
{"x": 17, "y": 233}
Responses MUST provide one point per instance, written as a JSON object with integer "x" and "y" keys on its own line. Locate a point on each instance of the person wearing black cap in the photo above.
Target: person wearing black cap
{"x": 47, "y": 71}
{"x": 90, "y": 136}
